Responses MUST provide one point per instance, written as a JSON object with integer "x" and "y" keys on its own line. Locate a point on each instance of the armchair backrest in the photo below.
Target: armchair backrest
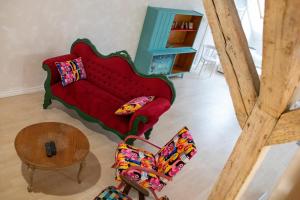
{"x": 176, "y": 153}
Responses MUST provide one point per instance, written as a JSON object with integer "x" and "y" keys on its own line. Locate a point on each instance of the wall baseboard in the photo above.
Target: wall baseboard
{"x": 14, "y": 92}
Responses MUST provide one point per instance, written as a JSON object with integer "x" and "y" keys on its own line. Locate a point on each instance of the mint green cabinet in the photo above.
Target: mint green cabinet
{"x": 162, "y": 64}
{"x": 166, "y": 41}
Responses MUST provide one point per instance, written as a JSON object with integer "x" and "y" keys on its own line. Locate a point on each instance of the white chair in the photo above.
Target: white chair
{"x": 208, "y": 61}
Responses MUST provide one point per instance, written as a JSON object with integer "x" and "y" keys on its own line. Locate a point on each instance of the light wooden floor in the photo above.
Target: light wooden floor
{"x": 202, "y": 105}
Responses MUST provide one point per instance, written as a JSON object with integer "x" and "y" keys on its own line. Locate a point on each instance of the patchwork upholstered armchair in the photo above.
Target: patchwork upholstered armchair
{"x": 153, "y": 171}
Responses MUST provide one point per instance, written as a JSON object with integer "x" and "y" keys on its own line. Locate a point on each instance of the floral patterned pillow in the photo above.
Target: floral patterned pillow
{"x": 133, "y": 105}
{"x": 71, "y": 71}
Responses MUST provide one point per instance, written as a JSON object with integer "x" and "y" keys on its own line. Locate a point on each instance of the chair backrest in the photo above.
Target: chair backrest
{"x": 209, "y": 53}
{"x": 176, "y": 153}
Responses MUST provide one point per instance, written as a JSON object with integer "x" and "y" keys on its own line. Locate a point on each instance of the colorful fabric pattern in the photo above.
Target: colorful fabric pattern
{"x": 128, "y": 156}
{"x": 133, "y": 105}
{"x": 169, "y": 160}
{"x": 111, "y": 193}
{"x": 71, "y": 71}
{"x": 176, "y": 153}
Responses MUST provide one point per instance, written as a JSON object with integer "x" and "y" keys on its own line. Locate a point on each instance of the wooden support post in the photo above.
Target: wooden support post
{"x": 280, "y": 76}
{"x": 281, "y": 55}
{"x": 235, "y": 57}
{"x": 244, "y": 156}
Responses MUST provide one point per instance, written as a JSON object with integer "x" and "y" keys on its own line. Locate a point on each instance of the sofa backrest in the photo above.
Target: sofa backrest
{"x": 115, "y": 75}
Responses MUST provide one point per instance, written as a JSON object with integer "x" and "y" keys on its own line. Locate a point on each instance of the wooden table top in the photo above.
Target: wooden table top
{"x": 72, "y": 145}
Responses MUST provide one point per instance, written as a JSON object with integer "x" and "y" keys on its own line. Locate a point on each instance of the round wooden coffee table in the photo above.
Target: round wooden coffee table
{"x": 72, "y": 147}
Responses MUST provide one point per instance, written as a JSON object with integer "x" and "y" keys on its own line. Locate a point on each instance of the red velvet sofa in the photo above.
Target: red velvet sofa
{"x": 111, "y": 81}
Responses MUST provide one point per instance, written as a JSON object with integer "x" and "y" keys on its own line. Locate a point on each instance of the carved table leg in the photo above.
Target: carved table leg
{"x": 82, "y": 164}
{"x": 31, "y": 172}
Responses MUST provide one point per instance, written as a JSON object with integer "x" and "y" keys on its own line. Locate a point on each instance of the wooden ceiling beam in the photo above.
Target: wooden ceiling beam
{"x": 281, "y": 55}
{"x": 244, "y": 155}
{"x": 235, "y": 57}
{"x": 281, "y": 74}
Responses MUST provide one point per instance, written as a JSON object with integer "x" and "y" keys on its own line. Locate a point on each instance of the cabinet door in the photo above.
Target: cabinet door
{"x": 162, "y": 29}
{"x": 162, "y": 64}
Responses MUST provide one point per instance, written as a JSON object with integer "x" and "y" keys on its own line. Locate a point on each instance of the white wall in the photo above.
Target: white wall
{"x": 196, "y": 5}
{"x": 33, "y": 30}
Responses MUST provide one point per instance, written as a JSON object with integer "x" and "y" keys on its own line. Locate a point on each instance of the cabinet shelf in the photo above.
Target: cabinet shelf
{"x": 172, "y": 51}
{"x": 183, "y": 30}
{"x": 183, "y": 37}
{"x": 177, "y": 69}
{"x": 183, "y": 63}
{"x": 166, "y": 43}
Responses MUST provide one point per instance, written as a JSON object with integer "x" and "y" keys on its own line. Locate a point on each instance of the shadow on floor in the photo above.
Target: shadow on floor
{"x": 64, "y": 181}
{"x": 90, "y": 125}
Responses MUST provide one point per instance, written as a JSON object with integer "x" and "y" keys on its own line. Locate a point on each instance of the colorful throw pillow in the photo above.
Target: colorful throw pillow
{"x": 133, "y": 105}
{"x": 176, "y": 153}
{"x": 71, "y": 71}
{"x": 111, "y": 193}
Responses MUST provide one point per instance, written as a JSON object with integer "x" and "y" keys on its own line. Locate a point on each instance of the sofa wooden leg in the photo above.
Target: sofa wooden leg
{"x": 47, "y": 101}
{"x": 148, "y": 133}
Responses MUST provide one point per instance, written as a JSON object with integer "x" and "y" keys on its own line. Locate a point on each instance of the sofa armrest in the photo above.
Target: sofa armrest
{"x": 151, "y": 111}
{"x": 49, "y": 66}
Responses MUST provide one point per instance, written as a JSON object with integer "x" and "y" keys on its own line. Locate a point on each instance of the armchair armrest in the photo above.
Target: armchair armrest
{"x": 149, "y": 171}
{"x": 136, "y": 138}
{"x": 142, "y": 139}
{"x": 135, "y": 185}
{"x": 49, "y": 66}
{"x": 152, "y": 111}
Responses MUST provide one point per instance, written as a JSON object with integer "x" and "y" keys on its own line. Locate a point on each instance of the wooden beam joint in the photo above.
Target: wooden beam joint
{"x": 258, "y": 105}
{"x": 287, "y": 128}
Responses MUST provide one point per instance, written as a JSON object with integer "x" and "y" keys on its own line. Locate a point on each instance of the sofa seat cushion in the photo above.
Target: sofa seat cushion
{"x": 94, "y": 101}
